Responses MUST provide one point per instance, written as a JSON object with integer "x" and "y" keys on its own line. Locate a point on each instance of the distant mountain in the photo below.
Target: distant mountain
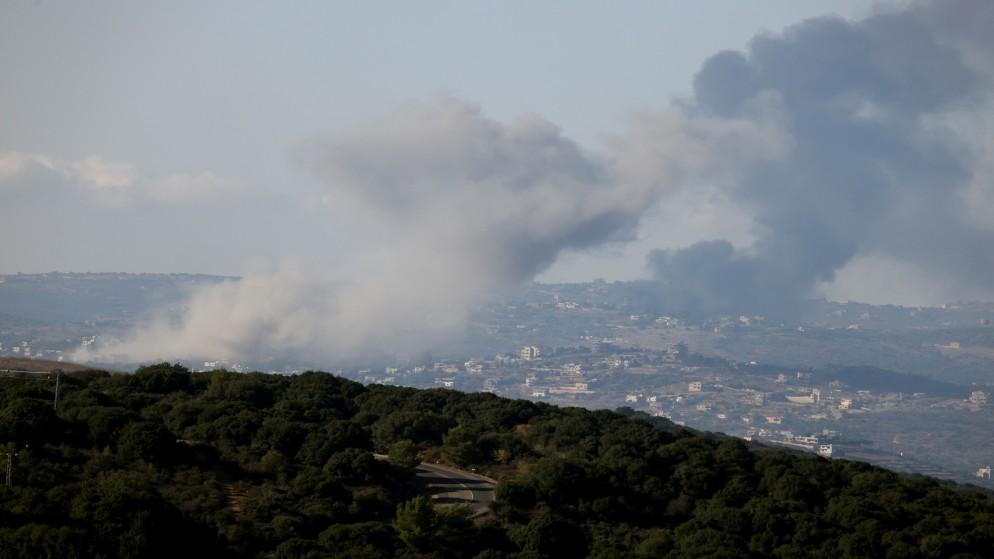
{"x": 81, "y": 297}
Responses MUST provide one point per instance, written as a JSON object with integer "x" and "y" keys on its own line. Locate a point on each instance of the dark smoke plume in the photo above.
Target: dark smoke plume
{"x": 890, "y": 162}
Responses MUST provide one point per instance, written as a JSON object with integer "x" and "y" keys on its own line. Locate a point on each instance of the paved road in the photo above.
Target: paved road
{"x": 451, "y": 486}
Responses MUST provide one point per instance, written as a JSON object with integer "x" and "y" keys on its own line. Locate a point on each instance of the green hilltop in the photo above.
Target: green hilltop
{"x": 165, "y": 462}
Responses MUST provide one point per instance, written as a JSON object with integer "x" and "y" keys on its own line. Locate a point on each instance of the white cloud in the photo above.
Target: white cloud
{"x": 117, "y": 184}
{"x": 104, "y": 215}
{"x": 107, "y": 183}
{"x": 101, "y": 175}
{"x": 13, "y": 163}
{"x": 182, "y": 188}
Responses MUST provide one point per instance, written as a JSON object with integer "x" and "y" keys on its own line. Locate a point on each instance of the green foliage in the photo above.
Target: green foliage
{"x": 426, "y": 528}
{"x": 404, "y": 455}
{"x": 160, "y": 379}
{"x": 352, "y": 465}
{"x": 145, "y": 440}
{"x": 550, "y": 535}
{"x": 363, "y": 540}
{"x": 246, "y": 465}
{"x": 337, "y": 435}
{"x": 461, "y": 445}
{"x": 24, "y": 419}
{"x": 422, "y": 427}
{"x": 416, "y": 523}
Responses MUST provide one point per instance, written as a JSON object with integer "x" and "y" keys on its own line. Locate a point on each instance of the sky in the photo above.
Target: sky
{"x": 373, "y": 162}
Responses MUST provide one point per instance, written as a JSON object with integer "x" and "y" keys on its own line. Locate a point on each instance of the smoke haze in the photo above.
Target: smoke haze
{"x": 859, "y": 151}
{"x": 890, "y": 164}
{"x": 469, "y": 205}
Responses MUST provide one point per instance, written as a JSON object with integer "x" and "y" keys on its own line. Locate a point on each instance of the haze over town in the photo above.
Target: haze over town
{"x": 362, "y": 172}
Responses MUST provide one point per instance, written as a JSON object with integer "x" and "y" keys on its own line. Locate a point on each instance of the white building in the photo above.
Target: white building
{"x": 530, "y": 352}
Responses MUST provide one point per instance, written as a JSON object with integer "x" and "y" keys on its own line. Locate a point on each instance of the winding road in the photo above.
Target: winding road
{"x": 451, "y": 486}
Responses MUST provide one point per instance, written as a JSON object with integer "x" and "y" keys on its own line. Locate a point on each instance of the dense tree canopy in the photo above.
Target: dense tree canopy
{"x": 255, "y": 465}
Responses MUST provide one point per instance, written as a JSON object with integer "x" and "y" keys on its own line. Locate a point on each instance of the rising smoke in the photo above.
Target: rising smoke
{"x": 846, "y": 141}
{"x": 891, "y": 159}
{"x": 469, "y": 205}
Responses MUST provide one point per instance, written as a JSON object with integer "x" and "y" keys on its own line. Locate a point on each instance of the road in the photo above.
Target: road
{"x": 451, "y": 486}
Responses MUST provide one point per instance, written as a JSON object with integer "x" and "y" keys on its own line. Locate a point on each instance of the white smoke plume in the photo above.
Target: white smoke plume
{"x": 847, "y": 142}
{"x": 465, "y": 205}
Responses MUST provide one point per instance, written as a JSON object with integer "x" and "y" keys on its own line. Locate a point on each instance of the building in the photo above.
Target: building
{"x": 529, "y": 353}
{"x": 576, "y": 388}
{"x": 812, "y": 397}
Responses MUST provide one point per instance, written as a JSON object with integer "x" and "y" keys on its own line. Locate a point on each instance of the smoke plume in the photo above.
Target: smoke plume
{"x": 847, "y": 142}
{"x": 459, "y": 205}
{"x": 890, "y": 164}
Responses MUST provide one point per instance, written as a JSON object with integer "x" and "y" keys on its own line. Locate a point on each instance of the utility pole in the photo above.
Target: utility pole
{"x": 10, "y": 456}
{"x": 55, "y": 403}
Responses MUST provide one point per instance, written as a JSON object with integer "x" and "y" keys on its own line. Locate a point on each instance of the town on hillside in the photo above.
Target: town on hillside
{"x": 907, "y": 388}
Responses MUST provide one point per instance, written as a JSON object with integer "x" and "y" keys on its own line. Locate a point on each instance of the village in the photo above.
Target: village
{"x": 905, "y": 431}
{"x": 908, "y": 388}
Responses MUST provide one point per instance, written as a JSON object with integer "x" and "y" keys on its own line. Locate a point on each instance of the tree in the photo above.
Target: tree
{"x": 161, "y": 379}
{"x": 352, "y": 465}
{"x": 461, "y": 445}
{"x": 144, "y": 440}
{"x": 363, "y": 540}
{"x": 416, "y": 523}
{"x": 404, "y": 455}
{"x": 24, "y": 420}
{"x": 551, "y": 535}
{"x": 427, "y": 528}
{"x": 106, "y": 423}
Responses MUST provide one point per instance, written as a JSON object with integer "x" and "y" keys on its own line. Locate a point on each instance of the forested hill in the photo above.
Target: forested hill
{"x": 167, "y": 463}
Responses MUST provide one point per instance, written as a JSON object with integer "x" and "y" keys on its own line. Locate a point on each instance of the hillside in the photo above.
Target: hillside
{"x": 39, "y": 365}
{"x": 257, "y": 465}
